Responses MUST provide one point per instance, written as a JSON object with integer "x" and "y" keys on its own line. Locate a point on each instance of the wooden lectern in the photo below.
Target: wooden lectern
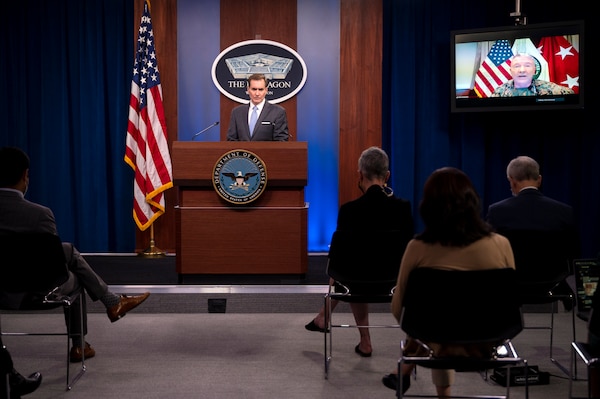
{"x": 266, "y": 236}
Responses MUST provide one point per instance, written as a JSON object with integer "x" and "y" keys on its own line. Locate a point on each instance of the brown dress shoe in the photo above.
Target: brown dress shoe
{"x": 75, "y": 355}
{"x": 126, "y": 304}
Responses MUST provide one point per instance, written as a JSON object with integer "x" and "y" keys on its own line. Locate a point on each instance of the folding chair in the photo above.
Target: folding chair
{"x": 364, "y": 266}
{"x": 543, "y": 262}
{"x": 465, "y": 308}
{"x": 33, "y": 267}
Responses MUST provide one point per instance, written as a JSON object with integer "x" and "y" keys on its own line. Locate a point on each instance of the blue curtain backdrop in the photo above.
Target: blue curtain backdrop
{"x": 65, "y": 72}
{"x": 65, "y": 76}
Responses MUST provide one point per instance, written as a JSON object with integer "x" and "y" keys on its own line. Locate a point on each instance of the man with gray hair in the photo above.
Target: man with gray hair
{"x": 530, "y": 210}
{"x": 524, "y": 82}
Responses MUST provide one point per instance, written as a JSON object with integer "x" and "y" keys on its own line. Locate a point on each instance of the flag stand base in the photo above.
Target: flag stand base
{"x": 152, "y": 251}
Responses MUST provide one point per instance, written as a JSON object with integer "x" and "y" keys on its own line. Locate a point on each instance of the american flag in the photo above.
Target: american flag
{"x": 147, "y": 150}
{"x": 494, "y": 70}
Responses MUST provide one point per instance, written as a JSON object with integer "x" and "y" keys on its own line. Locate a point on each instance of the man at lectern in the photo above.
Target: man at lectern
{"x": 258, "y": 120}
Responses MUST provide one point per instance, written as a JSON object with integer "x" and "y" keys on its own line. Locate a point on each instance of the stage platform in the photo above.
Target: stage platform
{"x": 130, "y": 268}
{"x": 171, "y": 292}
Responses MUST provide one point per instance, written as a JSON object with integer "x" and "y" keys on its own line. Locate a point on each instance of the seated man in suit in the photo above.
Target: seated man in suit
{"x": 530, "y": 210}
{"x": 259, "y": 120}
{"x": 18, "y": 215}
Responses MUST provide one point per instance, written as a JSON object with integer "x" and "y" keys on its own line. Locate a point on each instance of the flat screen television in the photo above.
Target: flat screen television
{"x": 482, "y": 76}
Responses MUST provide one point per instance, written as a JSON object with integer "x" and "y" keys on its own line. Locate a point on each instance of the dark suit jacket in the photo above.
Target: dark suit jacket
{"x": 530, "y": 212}
{"x": 374, "y": 211}
{"x": 375, "y": 251}
{"x": 18, "y": 215}
{"x": 271, "y": 124}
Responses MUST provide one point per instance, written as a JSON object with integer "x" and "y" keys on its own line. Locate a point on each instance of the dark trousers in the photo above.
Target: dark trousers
{"x": 81, "y": 274}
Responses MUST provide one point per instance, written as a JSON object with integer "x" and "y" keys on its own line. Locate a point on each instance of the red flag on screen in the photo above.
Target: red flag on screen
{"x": 147, "y": 150}
{"x": 563, "y": 61}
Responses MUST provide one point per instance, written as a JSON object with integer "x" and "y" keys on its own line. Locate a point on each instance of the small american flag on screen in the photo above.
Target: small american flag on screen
{"x": 147, "y": 149}
{"x": 494, "y": 70}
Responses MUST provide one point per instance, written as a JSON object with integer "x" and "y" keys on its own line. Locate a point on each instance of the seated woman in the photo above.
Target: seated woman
{"x": 455, "y": 238}
{"x": 377, "y": 209}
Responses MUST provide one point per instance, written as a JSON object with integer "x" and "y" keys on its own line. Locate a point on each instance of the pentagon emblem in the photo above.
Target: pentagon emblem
{"x": 284, "y": 68}
{"x": 239, "y": 177}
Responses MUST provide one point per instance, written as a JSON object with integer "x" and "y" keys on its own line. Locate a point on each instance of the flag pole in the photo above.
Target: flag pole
{"x": 147, "y": 136}
{"x": 152, "y": 251}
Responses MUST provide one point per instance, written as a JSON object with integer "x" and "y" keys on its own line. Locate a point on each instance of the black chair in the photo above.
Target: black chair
{"x": 33, "y": 266}
{"x": 543, "y": 260}
{"x": 364, "y": 266}
{"x": 465, "y": 308}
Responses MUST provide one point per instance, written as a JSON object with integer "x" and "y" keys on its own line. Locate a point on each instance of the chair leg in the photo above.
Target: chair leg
{"x": 552, "y": 359}
{"x": 399, "y": 387}
{"x": 66, "y": 304}
{"x": 327, "y": 321}
{"x": 571, "y": 368}
{"x": 574, "y": 333}
{"x": 508, "y": 379}
{"x": 83, "y": 369}
{"x": 526, "y": 379}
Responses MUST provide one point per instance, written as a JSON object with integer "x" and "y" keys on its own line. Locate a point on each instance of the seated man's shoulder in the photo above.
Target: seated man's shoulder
{"x": 502, "y": 203}
{"x": 554, "y": 201}
{"x": 38, "y": 207}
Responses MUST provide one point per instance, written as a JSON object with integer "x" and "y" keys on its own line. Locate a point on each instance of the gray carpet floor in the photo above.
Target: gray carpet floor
{"x": 247, "y": 354}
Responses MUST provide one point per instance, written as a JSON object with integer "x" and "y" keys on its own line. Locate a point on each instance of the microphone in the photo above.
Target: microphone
{"x": 204, "y": 130}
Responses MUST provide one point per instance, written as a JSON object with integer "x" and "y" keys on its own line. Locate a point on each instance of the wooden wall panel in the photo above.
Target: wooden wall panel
{"x": 361, "y": 32}
{"x": 243, "y": 20}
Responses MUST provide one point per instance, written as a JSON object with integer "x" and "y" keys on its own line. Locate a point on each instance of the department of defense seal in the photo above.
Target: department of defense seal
{"x": 239, "y": 176}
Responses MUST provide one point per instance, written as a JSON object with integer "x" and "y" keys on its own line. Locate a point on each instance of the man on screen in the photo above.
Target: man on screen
{"x": 522, "y": 69}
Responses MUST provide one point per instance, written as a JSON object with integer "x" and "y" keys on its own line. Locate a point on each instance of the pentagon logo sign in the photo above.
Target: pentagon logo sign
{"x": 283, "y": 67}
{"x": 239, "y": 177}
